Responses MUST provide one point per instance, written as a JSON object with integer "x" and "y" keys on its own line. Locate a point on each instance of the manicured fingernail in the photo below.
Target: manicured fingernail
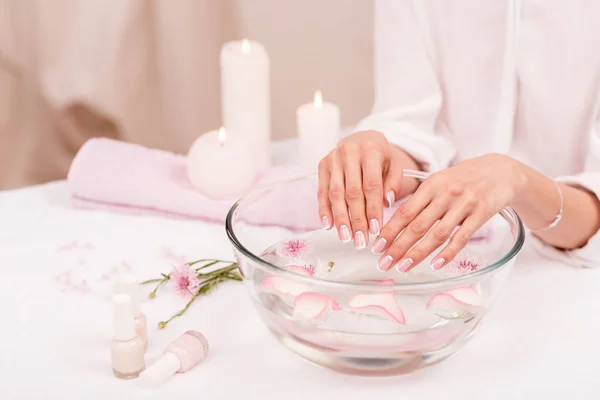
{"x": 359, "y": 240}
{"x": 391, "y": 197}
{"x": 325, "y": 222}
{"x": 378, "y": 246}
{"x": 374, "y": 227}
{"x": 385, "y": 263}
{"x": 438, "y": 263}
{"x": 404, "y": 265}
{"x": 345, "y": 234}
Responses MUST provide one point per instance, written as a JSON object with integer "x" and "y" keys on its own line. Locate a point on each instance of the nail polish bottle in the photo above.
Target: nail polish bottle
{"x": 126, "y": 349}
{"x": 128, "y": 284}
{"x": 183, "y": 354}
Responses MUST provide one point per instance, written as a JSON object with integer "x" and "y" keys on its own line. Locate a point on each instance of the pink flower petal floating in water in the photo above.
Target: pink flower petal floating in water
{"x": 382, "y": 305}
{"x": 282, "y": 287}
{"x": 313, "y": 308}
{"x": 457, "y": 300}
{"x": 306, "y": 270}
{"x": 294, "y": 248}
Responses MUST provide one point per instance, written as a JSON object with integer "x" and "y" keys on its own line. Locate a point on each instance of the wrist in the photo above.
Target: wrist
{"x": 521, "y": 181}
{"x": 405, "y": 160}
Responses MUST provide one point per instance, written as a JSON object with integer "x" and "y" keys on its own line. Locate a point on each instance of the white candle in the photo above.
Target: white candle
{"x": 245, "y": 96}
{"x": 318, "y": 130}
{"x": 220, "y": 166}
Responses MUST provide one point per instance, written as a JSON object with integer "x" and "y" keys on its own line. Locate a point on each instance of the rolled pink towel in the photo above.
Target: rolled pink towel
{"x": 127, "y": 178}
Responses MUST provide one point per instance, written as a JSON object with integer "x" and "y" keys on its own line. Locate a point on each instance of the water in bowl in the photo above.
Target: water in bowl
{"x": 350, "y": 339}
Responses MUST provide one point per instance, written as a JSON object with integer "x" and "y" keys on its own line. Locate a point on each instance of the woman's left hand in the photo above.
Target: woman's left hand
{"x": 466, "y": 196}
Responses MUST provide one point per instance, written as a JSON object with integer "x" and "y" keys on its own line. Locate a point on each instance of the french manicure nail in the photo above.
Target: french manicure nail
{"x": 378, "y": 246}
{"x": 325, "y": 222}
{"x": 438, "y": 263}
{"x": 374, "y": 227}
{"x": 385, "y": 263}
{"x": 404, "y": 265}
{"x": 391, "y": 197}
{"x": 359, "y": 240}
{"x": 345, "y": 234}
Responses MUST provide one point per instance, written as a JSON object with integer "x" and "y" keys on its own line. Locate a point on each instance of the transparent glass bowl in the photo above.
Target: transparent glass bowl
{"x": 348, "y": 316}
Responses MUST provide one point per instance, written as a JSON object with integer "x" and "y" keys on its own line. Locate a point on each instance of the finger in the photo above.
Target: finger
{"x": 401, "y": 218}
{"x": 392, "y": 183}
{"x": 337, "y": 189}
{"x": 323, "y": 194}
{"x": 459, "y": 240}
{"x": 372, "y": 171}
{"x": 438, "y": 235}
{"x": 355, "y": 198}
{"x": 415, "y": 231}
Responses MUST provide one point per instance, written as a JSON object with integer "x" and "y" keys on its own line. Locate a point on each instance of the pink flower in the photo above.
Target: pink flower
{"x": 466, "y": 263}
{"x": 294, "y": 248}
{"x": 185, "y": 280}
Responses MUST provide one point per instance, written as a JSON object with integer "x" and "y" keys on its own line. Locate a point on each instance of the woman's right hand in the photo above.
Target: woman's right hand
{"x": 355, "y": 179}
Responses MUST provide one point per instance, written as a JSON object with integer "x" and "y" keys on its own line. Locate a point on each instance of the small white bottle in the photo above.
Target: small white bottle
{"x": 128, "y": 284}
{"x": 127, "y": 348}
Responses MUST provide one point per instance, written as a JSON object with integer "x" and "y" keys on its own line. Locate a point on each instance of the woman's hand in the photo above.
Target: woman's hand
{"x": 355, "y": 179}
{"x": 465, "y": 196}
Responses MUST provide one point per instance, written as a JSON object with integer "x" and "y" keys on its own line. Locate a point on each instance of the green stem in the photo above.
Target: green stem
{"x": 234, "y": 277}
{"x": 152, "y": 294}
{"x": 163, "y": 324}
{"x": 223, "y": 270}
{"x": 207, "y": 265}
{"x": 206, "y": 259}
{"x": 204, "y": 289}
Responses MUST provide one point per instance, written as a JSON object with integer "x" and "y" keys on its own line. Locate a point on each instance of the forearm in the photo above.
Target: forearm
{"x": 538, "y": 202}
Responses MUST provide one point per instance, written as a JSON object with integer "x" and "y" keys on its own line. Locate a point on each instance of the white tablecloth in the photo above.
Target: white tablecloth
{"x": 541, "y": 340}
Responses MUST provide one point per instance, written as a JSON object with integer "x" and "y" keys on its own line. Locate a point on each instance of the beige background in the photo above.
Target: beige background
{"x": 147, "y": 71}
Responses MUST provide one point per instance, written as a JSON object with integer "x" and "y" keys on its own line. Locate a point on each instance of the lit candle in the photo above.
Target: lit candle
{"x": 318, "y": 130}
{"x": 220, "y": 166}
{"x": 245, "y": 96}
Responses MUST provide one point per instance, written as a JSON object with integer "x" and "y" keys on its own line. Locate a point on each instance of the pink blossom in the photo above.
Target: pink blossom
{"x": 185, "y": 280}
{"x": 294, "y": 248}
{"x": 466, "y": 263}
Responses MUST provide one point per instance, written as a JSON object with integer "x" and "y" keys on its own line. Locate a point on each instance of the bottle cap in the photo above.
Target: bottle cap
{"x": 128, "y": 284}
{"x": 124, "y": 325}
{"x": 154, "y": 375}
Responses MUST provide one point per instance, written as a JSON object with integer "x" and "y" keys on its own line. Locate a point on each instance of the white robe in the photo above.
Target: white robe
{"x": 458, "y": 79}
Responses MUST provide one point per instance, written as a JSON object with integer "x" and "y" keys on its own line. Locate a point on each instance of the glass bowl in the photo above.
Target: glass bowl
{"x": 327, "y": 302}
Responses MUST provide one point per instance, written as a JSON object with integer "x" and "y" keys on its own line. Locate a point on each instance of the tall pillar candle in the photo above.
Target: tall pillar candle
{"x": 245, "y": 96}
{"x": 318, "y": 130}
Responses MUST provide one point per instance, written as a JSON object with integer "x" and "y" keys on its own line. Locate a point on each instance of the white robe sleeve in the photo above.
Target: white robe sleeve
{"x": 407, "y": 92}
{"x": 588, "y": 255}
